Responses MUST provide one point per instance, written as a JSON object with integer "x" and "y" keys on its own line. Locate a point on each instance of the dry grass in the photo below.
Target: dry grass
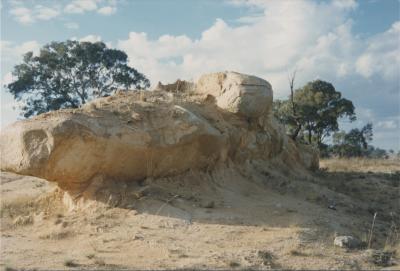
{"x": 103, "y": 232}
{"x": 19, "y": 207}
{"x": 361, "y": 165}
{"x": 296, "y": 252}
{"x": 57, "y": 235}
{"x": 23, "y": 211}
{"x": 376, "y": 182}
{"x": 27, "y": 205}
{"x": 23, "y": 220}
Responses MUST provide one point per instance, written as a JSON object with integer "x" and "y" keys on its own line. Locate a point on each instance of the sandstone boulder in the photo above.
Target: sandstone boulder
{"x": 131, "y": 142}
{"x": 134, "y": 135}
{"x": 242, "y": 94}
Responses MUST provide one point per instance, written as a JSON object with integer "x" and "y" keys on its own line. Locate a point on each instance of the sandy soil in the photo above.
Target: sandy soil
{"x": 226, "y": 219}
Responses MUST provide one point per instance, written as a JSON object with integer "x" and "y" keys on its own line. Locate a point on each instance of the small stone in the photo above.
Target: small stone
{"x": 136, "y": 116}
{"x": 347, "y": 242}
{"x": 332, "y": 207}
{"x": 209, "y": 205}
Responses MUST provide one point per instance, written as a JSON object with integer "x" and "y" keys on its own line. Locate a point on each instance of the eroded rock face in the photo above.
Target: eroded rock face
{"x": 246, "y": 95}
{"x": 133, "y": 135}
{"x": 71, "y": 148}
{"x": 178, "y": 86}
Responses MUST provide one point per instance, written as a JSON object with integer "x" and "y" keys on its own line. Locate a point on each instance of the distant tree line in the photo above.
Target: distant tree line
{"x": 355, "y": 143}
{"x": 311, "y": 115}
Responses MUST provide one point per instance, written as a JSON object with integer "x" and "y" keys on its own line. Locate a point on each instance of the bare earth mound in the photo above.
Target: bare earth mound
{"x": 199, "y": 177}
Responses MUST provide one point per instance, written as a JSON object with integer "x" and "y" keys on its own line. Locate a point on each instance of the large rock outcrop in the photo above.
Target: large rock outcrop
{"x": 133, "y": 135}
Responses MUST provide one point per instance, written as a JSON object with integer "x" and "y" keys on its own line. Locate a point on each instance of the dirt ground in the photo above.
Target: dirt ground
{"x": 230, "y": 218}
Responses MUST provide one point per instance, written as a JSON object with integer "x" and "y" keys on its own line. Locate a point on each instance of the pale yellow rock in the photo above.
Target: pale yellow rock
{"x": 71, "y": 148}
{"x": 134, "y": 135}
{"x": 242, "y": 94}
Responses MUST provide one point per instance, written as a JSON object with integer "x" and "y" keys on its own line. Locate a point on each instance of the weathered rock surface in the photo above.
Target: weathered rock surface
{"x": 247, "y": 95}
{"x": 178, "y": 86}
{"x": 133, "y": 135}
{"x": 73, "y": 147}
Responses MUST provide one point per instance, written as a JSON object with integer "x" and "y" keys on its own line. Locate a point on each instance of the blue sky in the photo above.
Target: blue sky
{"x": 353, "y": 44}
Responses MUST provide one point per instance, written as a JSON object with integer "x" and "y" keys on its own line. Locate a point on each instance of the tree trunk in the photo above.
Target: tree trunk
{"x": 296, "y": 132}
{"x": 319, "y": 139}
{"x": 291, "y": 84}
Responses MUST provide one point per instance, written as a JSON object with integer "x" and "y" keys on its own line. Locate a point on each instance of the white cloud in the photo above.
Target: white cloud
{"x": 12, "y": 53}
{"x": 45, "y": 13}
{"x": 90, "y": 38}
{"x": 71, "y": 25}
{"x": 249, "y": 19}
{"x": 80, "y": 6}
{"x": 10, "y": 109}
{"x": 7, "y": 79}
{"x": 345, "y": 4}
{"x": 314, "y": 37}
{"x": 157, "y": 58}
{"x": 387, "y": 124}
{"x": 22, "y": 15}
{"x": 166, "y": 46}
{"x": 382, "y": 56}
{"x": 26, "y": 12}
{"x": 108, "y": 10}
{"x": 93, "y": 38}
{"x": 25, "y": 15}
{"x": 364, "y": 65}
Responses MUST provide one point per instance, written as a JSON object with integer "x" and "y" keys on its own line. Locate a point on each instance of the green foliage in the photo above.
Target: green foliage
{"x": 312, "y": 114}
{"x": 68, "y": 74}
{"x": 353, "y": 143}
{"x": 318, "y": 107}
{"x": 374, "y": 152}
{"x": 284, "y": 114}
